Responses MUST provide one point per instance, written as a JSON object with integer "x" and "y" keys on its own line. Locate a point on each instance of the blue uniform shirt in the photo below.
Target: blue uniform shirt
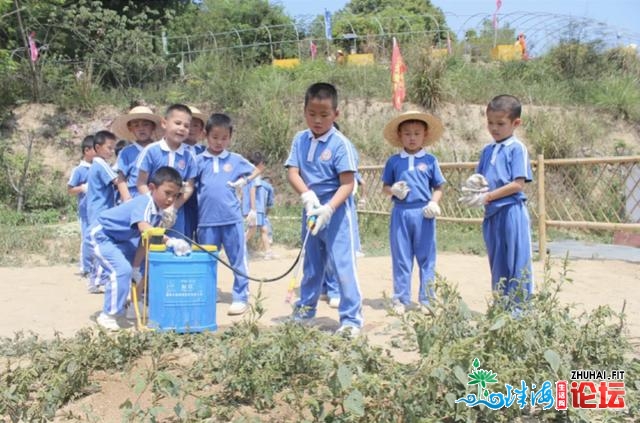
{"x": 502, "y": 163}
{"x": 421, "y": 172}
{"x": 218, "y": 203}
{"x": 158, "y": 154}
{"x": 127, "y": 164}
{"x": 101, "y": 192}
{"x": 269, "y": 195}
{"x": 121, "y": 223}
{"x": 79, "y": 176}
{"x": 322, "y": 160}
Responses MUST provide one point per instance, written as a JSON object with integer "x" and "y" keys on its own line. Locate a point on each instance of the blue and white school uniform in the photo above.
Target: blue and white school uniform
{"x": 411, "y": 234}
{"x": 158, "y": 154}
{"x": 506, "y": 225}
{"x": 79, "y": 176}
{"x": 269, "y": 202}
{"x": 101, "y": 190}
{"x": 191, "y": 206}
{"x": 126, "y": 164}
{"x": 320, "y": 162}
{"x": 220, "y": 221}
{"x": 114, "y": 239}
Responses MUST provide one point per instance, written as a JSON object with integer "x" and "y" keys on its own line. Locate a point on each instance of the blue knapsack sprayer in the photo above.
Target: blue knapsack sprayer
{"x": 182, "y": 290}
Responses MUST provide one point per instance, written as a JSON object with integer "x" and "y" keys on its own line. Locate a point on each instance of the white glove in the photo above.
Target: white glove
{"x": 252, "y": 218}
{"x": 476, "y": 183}
{"x": 84, "y": 187}
{"x": 323, "y": 216}
{"x": 180, "y": 246}
{"x": 431, "y": 210}
{"x": 400, "y": 190}
{"x": 478, "y": 199}
{"x": 169, "y": 216}
{"x": 309, "y": 201}
{"x": 136, "y": 275}
{"x": 239, "y": 183}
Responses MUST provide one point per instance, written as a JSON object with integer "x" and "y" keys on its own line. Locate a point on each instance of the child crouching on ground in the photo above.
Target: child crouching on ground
{"x": 113, "y": 239}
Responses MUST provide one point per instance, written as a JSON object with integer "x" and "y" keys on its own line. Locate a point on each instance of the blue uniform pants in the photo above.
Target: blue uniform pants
{"x": 114, "y": 261}
{"x": 334, "y": 244}
{"x": 508, "y": 239}
{"x": 191, "y": 217}
{"x": 411, "y": 235}
{"x": 231, "y": 238}
{"x": 85, "y": 250}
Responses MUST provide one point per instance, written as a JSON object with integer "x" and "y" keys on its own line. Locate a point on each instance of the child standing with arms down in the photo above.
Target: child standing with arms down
{"x": 321, "y": 168}
{"x": 141, "y": 126}
{"x": 170, "y": 151}
{"x": 502, "y": 171}
{"x": 101, "y": 193}
{"x": 220, "y": 220}
{"x": 116, "y": 233}
{"x": 78, "y": 186}
{"x": 414, "y": 181}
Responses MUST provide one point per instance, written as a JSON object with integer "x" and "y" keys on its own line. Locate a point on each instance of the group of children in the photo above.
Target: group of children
{"x": 194, "y": 190}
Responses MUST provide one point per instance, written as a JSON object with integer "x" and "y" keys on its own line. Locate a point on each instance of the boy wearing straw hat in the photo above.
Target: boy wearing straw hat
{"x": 141, "y": 126}
{"x": 414, "y": 181}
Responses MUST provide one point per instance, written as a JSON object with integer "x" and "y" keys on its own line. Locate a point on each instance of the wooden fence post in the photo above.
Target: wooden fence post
{"x": 542, "y": 211}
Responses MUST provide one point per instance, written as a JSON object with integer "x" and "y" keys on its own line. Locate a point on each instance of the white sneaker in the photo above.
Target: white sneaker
{"x": 237, "y": 308}
{"x": 334, "y": 302}
{"x": 348, "y": 331}
{"x": 359, "y": 254}
{"x": 107, "y": 321}
{"x": 95, "y": 290}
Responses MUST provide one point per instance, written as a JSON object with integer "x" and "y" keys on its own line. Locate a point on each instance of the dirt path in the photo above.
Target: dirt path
{"x": 49, "y": 299}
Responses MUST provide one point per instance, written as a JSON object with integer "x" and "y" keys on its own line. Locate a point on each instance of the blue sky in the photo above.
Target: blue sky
{"x": 623, "y": 15}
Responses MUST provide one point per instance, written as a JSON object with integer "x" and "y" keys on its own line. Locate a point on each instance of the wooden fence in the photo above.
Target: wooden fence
{"x": 588, "y": 193}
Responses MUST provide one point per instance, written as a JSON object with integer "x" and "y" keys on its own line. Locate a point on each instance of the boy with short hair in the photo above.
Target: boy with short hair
{"x": 502, "y": 172}
{"x": 321, "y": 167}
{"x": 117, "y": 231}
{"x": 78, "y": 186}
{"x": 220, "y": 220}
{"x": 414, "y": 181}
{"x": 141, "y": 126}
{"x": 170, "y": 151}
{"x": 196, "y": 134}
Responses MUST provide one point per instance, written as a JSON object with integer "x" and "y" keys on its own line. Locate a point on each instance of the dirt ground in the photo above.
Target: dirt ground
{"x": 45, "y": 300}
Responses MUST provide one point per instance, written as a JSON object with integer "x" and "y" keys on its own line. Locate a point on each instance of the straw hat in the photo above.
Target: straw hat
{"x": 196, "y": 113}
{"x": 434, "y": 125}
{"x": 119, "y": 124}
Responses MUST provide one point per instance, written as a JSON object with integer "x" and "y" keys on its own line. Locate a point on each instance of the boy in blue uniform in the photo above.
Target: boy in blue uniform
{"x": 505, "y": 166}
{"x": 414, "y": 181}
{"x": 196, "y": 134}
{"x": 220, "y": 220}
{"x": 78, "y": 186}
{"x": 170, "y": 151}
{"x": 140, "y": 125}
{"x": 321, "y": 167}
{"x": 101, "y": 192}
{"x": 116, "y": 233}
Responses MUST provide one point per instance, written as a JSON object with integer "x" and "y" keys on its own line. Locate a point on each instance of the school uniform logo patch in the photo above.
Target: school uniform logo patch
{"x": 227, "y": 167}
{"x": 181, "y": 164}
{"x": 422, "y": 167}
{"x": 326, "y": 155}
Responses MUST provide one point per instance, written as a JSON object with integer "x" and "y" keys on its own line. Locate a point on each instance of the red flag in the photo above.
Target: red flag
{"x": 398, "y": 68}
{"x": 314, "y": 50}
{"x": 495, "y": 14}
{"x": 33, "y": 49}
